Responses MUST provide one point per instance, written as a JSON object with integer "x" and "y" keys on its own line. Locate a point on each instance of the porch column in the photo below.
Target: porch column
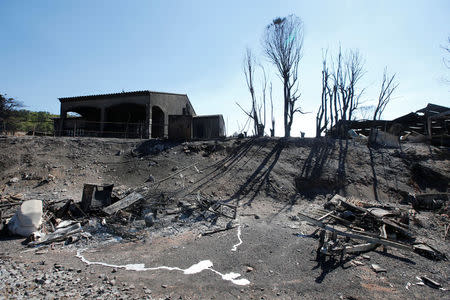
{"x": 62, "y": 118}
{"x": 148, "y": 121}
{"x": 166, "y": 125}
{"x": 102, "y": 120}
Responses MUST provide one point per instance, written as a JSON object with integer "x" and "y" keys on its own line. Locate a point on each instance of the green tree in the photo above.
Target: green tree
{"x": 8, "y": 106}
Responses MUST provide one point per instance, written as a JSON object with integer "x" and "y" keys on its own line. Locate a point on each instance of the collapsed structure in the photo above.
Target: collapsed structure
{"x": 139, "y": 114}
{"x": 431, "y": 123}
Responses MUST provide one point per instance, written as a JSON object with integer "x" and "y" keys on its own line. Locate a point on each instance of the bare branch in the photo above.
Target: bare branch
{"x": 340, "y": 96}
{"x": 249, "y": 72}
{"x": 258, "y": 109}
{"x": 388, "y": 87}
{"x": 263, "y": 88}
{"x": 447, "y": 49}
{"x": 244, "y": 111}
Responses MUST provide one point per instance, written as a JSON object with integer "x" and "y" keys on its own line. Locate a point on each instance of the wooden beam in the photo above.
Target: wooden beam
{"x": 124, "y": 203}
{"x": 58, "y": 235}
{"x": 325, "y": 216}
{"x": 352, "y": 234}
{"x": 360, "y": 248}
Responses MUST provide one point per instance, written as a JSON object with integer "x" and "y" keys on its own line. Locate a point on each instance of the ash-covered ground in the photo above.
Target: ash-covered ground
{"x": 190, "y": 252}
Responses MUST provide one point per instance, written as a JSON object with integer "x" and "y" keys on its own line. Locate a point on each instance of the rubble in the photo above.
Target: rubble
{"x": 96, "y": 197}
{"x": 149, "y": 219}
{"x": 375, "y": 225}
{"x": 377, "y": 268}
{"x": 218, "y": 230}
{"x": 14, "y": 180}
{"x": 102, "y": 210}
{"x": 18, "y": 196}
{"x": 429, "y": 201}
{"x": 60, "y": 234}
{"x": 430, "y": 282}
{"x": 151, "y": 178}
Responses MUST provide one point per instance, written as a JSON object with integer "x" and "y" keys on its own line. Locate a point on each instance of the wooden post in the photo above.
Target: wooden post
{"x": 319, "y": 255}
{"x": 429, "y": 127}
{"x": 102, "y": 120}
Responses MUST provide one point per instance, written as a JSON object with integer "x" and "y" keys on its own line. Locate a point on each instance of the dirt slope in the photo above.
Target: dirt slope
{"x": 234, "y": 169}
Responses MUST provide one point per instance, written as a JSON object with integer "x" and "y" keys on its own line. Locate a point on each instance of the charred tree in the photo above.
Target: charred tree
{"x": 340, "y": 95}
{"x": 283, "y": 44}
{"x": 322, "y": 117}
{"x": 272, "y": 130}
{"x": 257, "y": 113}
{"x": 348, "y": 73}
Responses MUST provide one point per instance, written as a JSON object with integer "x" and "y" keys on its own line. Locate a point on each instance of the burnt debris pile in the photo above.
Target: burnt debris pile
{"x": 122, "y": 213}
{"x": 347, "y": 227}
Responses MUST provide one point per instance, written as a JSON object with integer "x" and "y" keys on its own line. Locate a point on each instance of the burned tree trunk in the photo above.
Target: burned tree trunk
{"x": 322, "y": 113}
{"x": 272, "y": 130}
{"x": 283, "y": 44}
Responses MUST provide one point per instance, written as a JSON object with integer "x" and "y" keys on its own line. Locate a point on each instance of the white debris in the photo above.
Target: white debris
{"x": 239, "y": 238}
{"x": 14, "y": 180}
{"x": 65, "y": 223}
{"x": 377, "y": 268}
{"x": 27, "y": 219}
{"x": 194, "y": 269}
{"x": 197, "y": 268}
{"x": 233, "y": 278}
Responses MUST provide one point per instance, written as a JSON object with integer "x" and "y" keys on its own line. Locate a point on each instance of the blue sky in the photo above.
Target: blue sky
{"x": 54, "y": 49}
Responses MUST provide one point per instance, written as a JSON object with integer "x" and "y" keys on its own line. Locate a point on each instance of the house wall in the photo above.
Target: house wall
{"x": 385, "y": 139}
{"x": 180, "y": 127}
{"x": 171, "y": 104}
{"x": 206, "y": 127}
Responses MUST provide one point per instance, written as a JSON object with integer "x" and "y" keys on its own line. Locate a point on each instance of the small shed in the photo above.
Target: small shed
{"x": 180, "y": 127}
{"x": 208, "y": 127}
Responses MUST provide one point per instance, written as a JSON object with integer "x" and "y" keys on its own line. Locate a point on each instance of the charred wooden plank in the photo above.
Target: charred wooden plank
{"x": 352, "y": 234}
{"x": 124, "y": 203}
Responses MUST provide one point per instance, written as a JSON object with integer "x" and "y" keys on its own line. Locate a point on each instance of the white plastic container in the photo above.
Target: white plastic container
{"x": 27, "y": 219}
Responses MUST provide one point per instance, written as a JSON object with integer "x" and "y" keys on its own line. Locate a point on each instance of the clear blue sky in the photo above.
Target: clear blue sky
{"x": 54, "y": 49}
